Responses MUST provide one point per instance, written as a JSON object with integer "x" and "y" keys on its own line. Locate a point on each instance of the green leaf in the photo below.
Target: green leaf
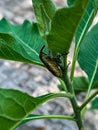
{"x": 94, "y": 103}
{"x": 20, "y": 42}
{"x": 44, "y": 11}
{"x": 64, "y": 25}
{"x": 80, "y": 83}
{"x": 70, "y": 2}
{"x": 95, "y": 85}
{"x": 33, "y": 117}
{"x": 88, "y": 16}
{"x": 88, "y": 54}
{"x": 16, "y": 105}
{"x": 86, "y": 20}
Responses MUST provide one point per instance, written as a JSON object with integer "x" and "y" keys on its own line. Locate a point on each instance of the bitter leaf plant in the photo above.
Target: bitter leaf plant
{"x": 54, "y": 30}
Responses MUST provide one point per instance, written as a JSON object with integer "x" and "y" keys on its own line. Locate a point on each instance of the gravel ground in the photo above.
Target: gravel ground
{"x": 31, "y": 79}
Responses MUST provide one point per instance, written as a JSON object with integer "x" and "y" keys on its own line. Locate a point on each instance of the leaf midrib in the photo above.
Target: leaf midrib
{"x": 18, "y": 39}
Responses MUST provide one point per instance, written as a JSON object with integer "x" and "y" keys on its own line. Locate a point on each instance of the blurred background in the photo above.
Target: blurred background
{"x": 36, "y": 80}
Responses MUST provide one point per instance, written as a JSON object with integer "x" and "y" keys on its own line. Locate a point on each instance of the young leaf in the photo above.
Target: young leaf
{"x": 64, "y": 25}
{"x": 95, "y": 85}
{"x": 44, "y": 11}
{"x": 80, "y": 83}
{"x": 88, "y": 54}
{"x": 94, "y": 103}
{"x": 20, "y": 42}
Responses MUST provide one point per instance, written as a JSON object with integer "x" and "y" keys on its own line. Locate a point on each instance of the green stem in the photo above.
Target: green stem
{"x": 73, "y": 102}
{"x": 50, "y": 96}
{"x": 49, "y": 116}
{"x": 63, "y": 84}
{"x": 74, "y": 61}
{"x": 88, "y": 100}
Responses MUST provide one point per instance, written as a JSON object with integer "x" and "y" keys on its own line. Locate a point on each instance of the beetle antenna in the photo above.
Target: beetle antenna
{"x": 41, "y": 51}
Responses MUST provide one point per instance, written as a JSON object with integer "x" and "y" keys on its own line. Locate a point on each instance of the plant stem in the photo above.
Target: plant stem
{"x": 74, "y": 62}
{"x": 63, "y": 84}
{"x": 73, "y": 102}
{"x": 35, "y": 117}
{"x": 88, "y": 100}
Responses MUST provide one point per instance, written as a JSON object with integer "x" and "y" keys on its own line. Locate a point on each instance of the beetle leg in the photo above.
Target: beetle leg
{"x": 58, "y": 59}
{"x": 66, "y": 53}
{"x": 65, "y": 68}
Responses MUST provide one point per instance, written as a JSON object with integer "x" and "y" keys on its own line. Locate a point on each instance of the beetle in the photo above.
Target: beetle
{"x": 53, "y": 64}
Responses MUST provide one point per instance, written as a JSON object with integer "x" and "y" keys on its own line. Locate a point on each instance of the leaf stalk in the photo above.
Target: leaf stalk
{"x": 88, "y": 100}
{"x": 35, "y": 117}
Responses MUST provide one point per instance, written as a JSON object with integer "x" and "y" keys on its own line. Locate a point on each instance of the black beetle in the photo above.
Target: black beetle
{"x": 53, "y": 64}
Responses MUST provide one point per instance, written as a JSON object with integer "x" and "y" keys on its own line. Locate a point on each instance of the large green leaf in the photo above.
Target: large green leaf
{"x": 64, "y": 25}
{"x": 88, "y": 54}
{"x": 20, "y": 42}
{"x": 44, "y": 11}
{"x": 16, "y": 105}
{"x": 86, "y": 20}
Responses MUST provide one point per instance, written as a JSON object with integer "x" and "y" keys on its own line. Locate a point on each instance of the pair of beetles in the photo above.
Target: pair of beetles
{"x": 53, "y": 64}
